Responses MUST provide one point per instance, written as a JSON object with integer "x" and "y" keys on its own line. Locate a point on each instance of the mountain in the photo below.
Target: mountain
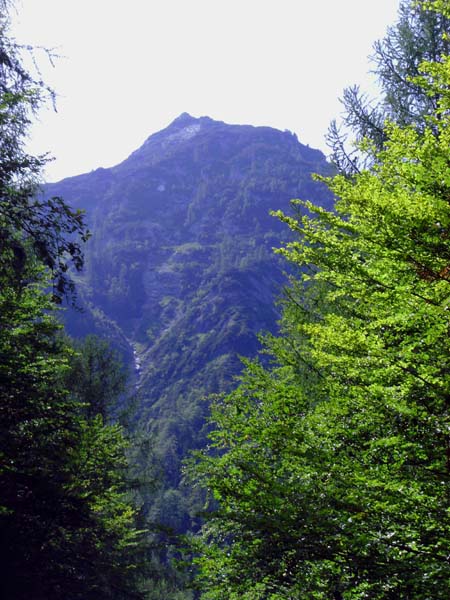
{"x": 180, "y": 272}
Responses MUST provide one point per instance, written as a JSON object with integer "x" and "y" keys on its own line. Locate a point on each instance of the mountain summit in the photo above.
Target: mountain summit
{"x": 180, "y": 269}
{"x": 181, "y": 129}
{"x": 184, "y": 128}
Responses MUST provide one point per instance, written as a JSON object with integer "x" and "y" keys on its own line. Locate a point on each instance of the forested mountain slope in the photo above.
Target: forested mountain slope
{"x": 180, "y": 270}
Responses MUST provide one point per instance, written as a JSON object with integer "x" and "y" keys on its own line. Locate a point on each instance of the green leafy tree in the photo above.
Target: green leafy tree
{"x": 331, "y": 469}
{"x": 36, "y": 433}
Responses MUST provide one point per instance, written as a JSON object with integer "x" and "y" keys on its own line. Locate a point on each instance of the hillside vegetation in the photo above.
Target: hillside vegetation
{"x": 180, "y": 269}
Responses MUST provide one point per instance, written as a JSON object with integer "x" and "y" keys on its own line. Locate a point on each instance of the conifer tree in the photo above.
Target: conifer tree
{"x": 420, "y": 34}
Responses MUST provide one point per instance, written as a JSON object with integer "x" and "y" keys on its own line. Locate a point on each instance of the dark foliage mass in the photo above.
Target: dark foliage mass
{"x": 67, "y": 523}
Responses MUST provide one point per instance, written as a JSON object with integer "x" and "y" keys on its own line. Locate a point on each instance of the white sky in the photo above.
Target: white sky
{"x": 129, "y": 67}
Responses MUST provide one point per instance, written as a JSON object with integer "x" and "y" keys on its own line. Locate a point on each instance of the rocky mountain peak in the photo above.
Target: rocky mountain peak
{"x": 183, "y": 120}
{"x": 204, "y": 137}
{"x": 164, "y": 142}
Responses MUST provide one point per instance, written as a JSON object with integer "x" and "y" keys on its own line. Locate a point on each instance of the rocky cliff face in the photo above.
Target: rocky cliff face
{"x": 180, "y": 269}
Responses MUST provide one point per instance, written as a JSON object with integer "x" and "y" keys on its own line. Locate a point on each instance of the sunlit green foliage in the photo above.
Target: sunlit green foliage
{"x": 331, "y": 469}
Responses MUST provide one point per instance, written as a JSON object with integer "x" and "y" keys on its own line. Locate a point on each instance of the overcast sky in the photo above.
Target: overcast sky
{"x": 128, "y": 68}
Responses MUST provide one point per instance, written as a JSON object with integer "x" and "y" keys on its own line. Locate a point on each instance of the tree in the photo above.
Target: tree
{"x": 67, "y": 523}
{"x": 331, "y": 469}
{"x": 46, "y": 229}
{"x": 97, "y": 377}
{"x": 418, "y": 36}
{"x": 36, "y": 433}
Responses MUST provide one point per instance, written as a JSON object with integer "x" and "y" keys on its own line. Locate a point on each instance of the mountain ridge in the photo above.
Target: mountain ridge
{"x": 197, "y": 183}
